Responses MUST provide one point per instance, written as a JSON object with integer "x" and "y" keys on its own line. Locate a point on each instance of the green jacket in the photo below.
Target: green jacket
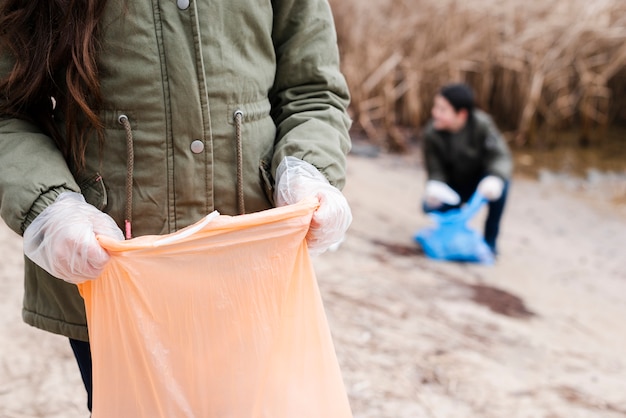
{"x": 463, "y": 158}
{"x": 179, "y": 70}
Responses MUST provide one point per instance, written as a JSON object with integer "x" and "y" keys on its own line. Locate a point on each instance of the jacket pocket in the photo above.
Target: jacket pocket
{"x": 94, "y": 191}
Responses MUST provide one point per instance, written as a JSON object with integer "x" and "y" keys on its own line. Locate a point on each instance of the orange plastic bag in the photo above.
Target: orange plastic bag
{"x": 219, "y": 320}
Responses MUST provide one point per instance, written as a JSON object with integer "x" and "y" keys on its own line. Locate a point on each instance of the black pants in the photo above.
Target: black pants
{"x": 82, "y": 352}
{"x": 492, "y": 223}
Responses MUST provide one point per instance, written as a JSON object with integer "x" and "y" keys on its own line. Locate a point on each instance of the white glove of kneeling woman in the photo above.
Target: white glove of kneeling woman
{"x": 62, "y": 238}
{"x": 297, "y": 180}
{"x": 438, "y": 193}
{"x": 491, "y": 187}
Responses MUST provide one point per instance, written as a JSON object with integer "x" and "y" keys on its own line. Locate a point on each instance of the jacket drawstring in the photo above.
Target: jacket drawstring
{"x": 130, "y": 166}
{"x": 238, "y": 117}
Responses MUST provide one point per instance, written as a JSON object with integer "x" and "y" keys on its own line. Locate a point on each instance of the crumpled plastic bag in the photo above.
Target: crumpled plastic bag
{"x": 452, "y": 239}
{"x": 222, "y": 319}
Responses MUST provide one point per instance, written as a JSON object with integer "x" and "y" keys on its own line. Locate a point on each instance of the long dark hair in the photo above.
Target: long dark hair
{"x": 54, "y": 44}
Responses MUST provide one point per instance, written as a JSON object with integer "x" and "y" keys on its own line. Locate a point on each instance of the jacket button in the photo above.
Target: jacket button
{"x": 197, "y": 146}
{"x": 182, "y": 4}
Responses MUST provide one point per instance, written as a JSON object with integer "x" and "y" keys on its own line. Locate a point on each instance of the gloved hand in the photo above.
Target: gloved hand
{"x": 437, "y": 193}
{"x": 62, "y": 238}
{"x": 491, "y": 187}
{"x": 296, "y": 180}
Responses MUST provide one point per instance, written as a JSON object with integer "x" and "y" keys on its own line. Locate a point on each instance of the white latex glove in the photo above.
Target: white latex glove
{"x": 297, "y": 180}
{"x": 62, "y": 238}
{"x": 437, "y": 193}
{"x": 491, "y": 187}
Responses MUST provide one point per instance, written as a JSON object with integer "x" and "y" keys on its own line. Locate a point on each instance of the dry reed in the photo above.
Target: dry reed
{"x": 533, "y": 64}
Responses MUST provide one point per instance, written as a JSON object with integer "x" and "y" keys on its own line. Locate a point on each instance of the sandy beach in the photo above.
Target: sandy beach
{"x": 539, "y": 334}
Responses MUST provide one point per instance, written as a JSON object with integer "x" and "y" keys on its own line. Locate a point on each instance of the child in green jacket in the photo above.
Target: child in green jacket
{"x": 465, "y": 153}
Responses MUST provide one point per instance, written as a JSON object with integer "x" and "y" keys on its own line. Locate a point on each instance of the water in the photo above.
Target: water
{"x": 604, "y": 153}
{"x": 596, "y": 171}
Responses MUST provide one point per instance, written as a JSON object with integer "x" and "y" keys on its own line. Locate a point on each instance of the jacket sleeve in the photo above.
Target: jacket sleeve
{"x": 310, "y": 95}
{"x": 433, "y": 160}
{"x": 498, "y": 160}
{"x": 32, "y": 170}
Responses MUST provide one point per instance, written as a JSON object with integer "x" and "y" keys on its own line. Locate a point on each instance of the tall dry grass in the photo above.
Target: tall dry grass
{"x": 534, "y": 64}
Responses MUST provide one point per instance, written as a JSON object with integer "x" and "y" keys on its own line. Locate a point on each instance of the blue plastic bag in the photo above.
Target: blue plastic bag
{"x": 452, "y": 239}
